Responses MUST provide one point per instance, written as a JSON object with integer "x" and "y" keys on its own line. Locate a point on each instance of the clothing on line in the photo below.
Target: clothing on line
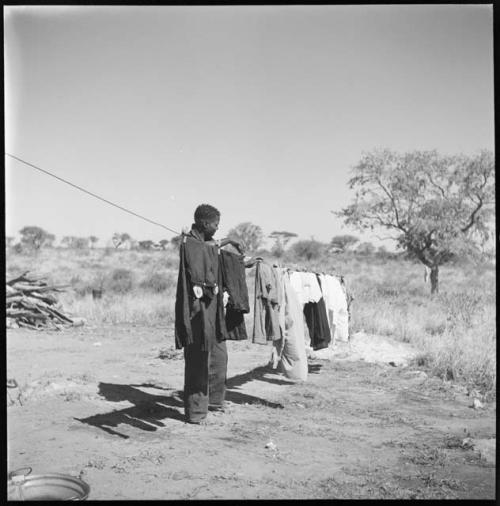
{"x": 292, "y": 350}
{"x": 317, "y": 323}
{"x": 234, "y": 282}
{"x": 338, "y": 308}
{"x": 266, "y": 310}
{"x": 310, "y": 287}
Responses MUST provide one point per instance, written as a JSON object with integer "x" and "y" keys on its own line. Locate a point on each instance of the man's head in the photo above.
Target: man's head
{"x": 206, "y": 218}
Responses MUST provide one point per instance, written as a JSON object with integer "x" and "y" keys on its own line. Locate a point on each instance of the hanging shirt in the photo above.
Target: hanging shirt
{"x": 310, "y": 287}
{"x": 296, "y": 285}
{"x": 234, "y": 282}
{"x": 266, "y": 312}
{"x": 199, "y": 308}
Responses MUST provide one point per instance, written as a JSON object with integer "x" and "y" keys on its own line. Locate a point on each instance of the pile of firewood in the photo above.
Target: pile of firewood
{"x": 31, "y": 303}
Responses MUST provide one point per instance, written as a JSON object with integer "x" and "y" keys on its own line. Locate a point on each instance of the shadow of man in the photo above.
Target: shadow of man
{"x": 146, "y": 414}
{"x": 149, "y": 410}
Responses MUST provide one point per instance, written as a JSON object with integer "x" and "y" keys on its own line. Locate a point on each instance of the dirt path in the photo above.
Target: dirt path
{"x": 100, "y": 403}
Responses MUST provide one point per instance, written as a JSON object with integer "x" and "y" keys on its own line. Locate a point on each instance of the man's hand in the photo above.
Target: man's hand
{"x": 233, "y": 242}
{"x": 250, "y": 262}
{"x": 238, "y": 245}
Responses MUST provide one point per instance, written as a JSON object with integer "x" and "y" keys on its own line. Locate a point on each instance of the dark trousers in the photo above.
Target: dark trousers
{"x": 204, "y": 379}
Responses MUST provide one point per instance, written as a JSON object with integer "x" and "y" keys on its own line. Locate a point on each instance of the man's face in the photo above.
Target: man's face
{"x": 211, "y": 227}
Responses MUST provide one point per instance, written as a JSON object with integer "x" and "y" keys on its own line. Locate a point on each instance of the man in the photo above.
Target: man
{"x": 199, "y": 315}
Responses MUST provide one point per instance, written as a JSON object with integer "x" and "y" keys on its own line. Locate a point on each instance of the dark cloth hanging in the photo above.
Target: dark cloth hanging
{"x": 198, "y": 320}
{"x": 234, "y": 282}
{"x": 317, "y": 323}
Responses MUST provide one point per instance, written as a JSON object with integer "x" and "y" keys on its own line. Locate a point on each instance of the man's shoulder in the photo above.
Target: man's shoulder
{"x": 194, "y": 235}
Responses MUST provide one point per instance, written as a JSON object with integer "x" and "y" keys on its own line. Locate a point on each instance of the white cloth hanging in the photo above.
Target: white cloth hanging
{"x": 336, "y": 303}
{"x": 296, "y": 284}
{"x": 310, "y": 287}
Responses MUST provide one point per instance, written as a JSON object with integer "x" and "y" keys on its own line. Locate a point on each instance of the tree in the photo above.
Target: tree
{"x": 35, "y": 237}
{"x": 80, "y": 242}
{"x": 66, "y": 241}
{"x": 436, "y": 206}
{"x": 248, "y": 234}
{"x": 163, "y": 244}
{"x": 343, "y": 242}
{"x": 176, "y": 241}
{"x": 119, "y": 239}
{"x": 93, "y": 240}
{"x": 382, "y": 252}
{"x": 365, "y": 248}
{"x": 281, "y": 239}
{"x": 8, "y": 241}
{"x": 308, "y": 249}
{"x": 74, "y": 242}
{"x": 145, "y": 245}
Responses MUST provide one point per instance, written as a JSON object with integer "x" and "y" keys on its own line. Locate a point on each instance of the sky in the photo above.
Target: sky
{"x": 261, "y": 111}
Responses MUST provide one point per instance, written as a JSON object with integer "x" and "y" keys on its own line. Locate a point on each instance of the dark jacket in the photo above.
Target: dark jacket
{"x": 234, "y": 282}
{"x": 198, "y": 320}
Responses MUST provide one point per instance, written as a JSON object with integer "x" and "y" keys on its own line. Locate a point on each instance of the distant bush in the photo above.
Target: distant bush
{"x": 308, "y": 250}
{"x": 121, "y": 281}
{"x": 158, "y": 282}
{"x": 80, "y": 286}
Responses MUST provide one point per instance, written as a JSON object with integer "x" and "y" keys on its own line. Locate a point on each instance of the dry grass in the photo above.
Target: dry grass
{"x": 455, "y": 330}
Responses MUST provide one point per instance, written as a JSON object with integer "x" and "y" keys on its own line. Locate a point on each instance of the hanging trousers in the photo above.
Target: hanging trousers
{"x": 204, "y": 379}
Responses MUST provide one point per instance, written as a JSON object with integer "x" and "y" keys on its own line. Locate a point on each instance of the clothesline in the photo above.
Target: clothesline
{"x": 302, "y": 269}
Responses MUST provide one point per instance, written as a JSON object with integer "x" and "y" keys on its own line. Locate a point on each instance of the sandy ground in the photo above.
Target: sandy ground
{"x": 106, "y": 405}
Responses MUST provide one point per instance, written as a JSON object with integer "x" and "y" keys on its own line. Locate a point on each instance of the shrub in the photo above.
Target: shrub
{"x": 461, "y": 307}
{"x": 121, "y": 281}
{"x": 307, "y": 250}
{"x": 172, "y": 262}
{"x": 158, "y": 282}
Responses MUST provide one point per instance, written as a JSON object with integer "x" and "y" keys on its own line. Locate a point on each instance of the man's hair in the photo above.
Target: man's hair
{"x": 205, "y": 212}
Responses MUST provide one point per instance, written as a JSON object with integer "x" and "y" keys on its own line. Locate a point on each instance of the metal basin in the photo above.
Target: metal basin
{"x": 46, "y": 487}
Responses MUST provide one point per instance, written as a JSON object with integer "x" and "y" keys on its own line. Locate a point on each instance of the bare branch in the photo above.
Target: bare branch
{"x": 386, "y": 238}
{"x": 435, "y": 184}
{"x": 394, "y": 207}
{"x": 472, "y": 219}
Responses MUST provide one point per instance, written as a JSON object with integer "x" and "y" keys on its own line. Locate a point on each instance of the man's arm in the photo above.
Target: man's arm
{"x": 234, "y": 242}
{"x": 250, "y": 262}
